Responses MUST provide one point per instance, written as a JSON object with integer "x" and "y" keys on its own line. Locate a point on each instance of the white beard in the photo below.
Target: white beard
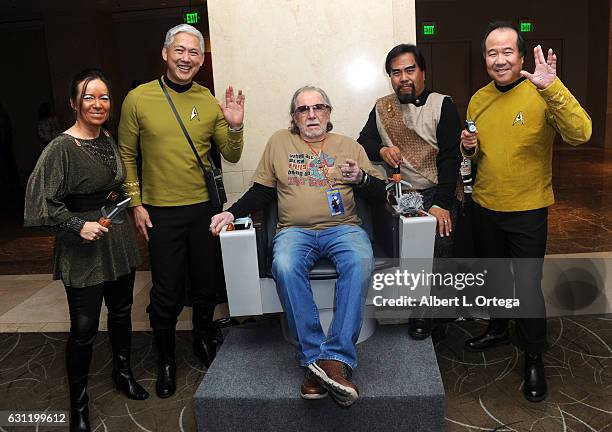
{"x": 313, "y": 133}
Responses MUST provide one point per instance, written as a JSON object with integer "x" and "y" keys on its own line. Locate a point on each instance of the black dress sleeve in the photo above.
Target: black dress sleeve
{"x": 370, "y": 139}
{"x": 449, "y": 157}
{"x": 47, "y": 188}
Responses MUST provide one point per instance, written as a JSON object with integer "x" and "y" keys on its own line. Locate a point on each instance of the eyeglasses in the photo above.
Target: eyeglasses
{"x": 317, "y": 108}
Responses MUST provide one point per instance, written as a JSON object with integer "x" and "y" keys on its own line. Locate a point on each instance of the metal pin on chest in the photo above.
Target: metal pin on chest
{"x": 390, "y": 111}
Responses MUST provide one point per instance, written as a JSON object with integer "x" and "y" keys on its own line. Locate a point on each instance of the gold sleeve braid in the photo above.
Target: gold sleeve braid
{"x": 132, "y": 189}
{"x": 569, "y": 118}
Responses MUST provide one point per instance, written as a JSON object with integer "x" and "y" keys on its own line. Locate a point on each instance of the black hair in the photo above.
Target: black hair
{"x": 405, "y": 49}
{"x": 520, "y": 42}
{"x": 85, "y": 77}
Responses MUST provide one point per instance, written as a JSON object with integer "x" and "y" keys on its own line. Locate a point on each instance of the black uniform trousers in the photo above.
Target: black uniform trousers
{"x": 182, "y": 247}
{"x": 515, "y": 235}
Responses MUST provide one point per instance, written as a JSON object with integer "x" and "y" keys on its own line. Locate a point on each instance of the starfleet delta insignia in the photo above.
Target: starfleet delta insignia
{"x": 519, "y": 119}
{"x": 194, "y": 113}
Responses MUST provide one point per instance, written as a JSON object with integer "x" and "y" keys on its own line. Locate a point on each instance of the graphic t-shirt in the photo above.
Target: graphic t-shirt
{"x": 303, "y": 177}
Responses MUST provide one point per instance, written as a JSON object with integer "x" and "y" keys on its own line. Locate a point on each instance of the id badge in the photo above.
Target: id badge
{"x": 334, "y": 201}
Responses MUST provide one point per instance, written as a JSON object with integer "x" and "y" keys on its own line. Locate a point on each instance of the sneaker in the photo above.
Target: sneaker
{"x": 335, "y": 376}
{"x": 311, "y": 389}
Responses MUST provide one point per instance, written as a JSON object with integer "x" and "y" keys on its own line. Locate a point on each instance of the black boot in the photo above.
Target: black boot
{"x": 166, "y": 367}
{"x": 534, "y": 388}
{"x": 79, "y": 411}
{"x": 497, "y": 334}
{"x": 420, "y": 328}
{"x": 121, "y": 337}
{"x": 207, "y": 336}
{"x": 78, "y": 359}
{"x": 206, "y": 343}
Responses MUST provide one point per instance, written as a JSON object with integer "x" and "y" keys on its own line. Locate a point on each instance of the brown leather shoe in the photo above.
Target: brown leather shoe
{"x": 335, "y": 376}
{"x": 311, "y": 389}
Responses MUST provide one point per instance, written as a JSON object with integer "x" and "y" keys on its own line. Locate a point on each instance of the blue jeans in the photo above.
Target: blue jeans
{"x": 296, "y": 250}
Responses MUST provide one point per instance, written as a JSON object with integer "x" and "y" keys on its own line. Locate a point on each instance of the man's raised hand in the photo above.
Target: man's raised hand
{"x": 233, "y": 108}
{"x": 545, "y": 68}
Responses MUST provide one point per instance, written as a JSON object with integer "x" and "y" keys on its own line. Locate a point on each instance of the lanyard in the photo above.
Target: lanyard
{"x": 322, "y": 163}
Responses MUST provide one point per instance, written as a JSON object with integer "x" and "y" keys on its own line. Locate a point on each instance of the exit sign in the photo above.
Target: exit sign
{"x": 192, "y": 18}
{"x": 526, "y": 26}
{"x": 430, "y": 29}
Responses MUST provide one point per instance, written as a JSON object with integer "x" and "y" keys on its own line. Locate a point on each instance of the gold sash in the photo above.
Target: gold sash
{"x": 418, "y": 152}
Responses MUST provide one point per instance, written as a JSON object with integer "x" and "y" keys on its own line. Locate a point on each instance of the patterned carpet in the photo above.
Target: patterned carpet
{"x": 483, "y": 391}
{"x": 33, "y": 377}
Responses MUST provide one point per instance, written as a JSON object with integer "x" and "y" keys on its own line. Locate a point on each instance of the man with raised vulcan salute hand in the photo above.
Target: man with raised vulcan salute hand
{"x": 171, "y": 206}
{"x": 517, "y": 116}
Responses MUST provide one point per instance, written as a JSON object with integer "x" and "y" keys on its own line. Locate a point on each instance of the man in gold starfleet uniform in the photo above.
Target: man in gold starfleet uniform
{"x": 171, "y": 205}
{"x": 517, "y": 116}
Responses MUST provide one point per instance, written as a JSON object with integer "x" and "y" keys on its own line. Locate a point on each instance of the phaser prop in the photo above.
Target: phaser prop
{"x": 410, "y": 203}
{"x": 107, "y": 217}
{"x": 397, "y": 182}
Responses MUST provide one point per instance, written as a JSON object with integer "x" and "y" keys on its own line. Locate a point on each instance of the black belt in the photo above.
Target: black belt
{"x": 91, "y": 201}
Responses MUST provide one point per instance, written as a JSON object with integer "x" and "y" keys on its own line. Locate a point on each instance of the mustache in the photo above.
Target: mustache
{"x": 405, "y": 97}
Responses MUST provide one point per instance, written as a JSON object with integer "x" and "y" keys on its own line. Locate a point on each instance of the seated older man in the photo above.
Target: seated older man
{"x": 314, "y": 175}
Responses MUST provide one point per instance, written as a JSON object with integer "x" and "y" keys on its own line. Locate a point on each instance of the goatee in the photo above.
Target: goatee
{"x": 405, "y": 98}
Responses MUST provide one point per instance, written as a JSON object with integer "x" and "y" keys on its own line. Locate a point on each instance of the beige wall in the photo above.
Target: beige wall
{"x": 270, "y": 48}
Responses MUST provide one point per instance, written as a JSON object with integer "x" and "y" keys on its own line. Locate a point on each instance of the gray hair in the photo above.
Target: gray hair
{"x": 184, "y": 28}
{"x": 293, "y": 128}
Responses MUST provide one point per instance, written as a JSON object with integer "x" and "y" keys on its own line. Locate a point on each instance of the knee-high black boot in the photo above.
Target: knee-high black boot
{"x": 166, "y": 367}
{"x": 78, "y": 358}
{"x": 79, "y": 410}
{"x": 120, "y": 336}
{"x": 207, "y": 337}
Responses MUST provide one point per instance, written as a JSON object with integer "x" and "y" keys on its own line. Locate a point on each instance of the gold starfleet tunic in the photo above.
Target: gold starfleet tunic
{"x": 516, "y": 130}
{"x": 171, "y": 175}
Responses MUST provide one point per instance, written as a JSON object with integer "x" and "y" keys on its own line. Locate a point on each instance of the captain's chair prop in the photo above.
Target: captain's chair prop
{"x": 247, "y": 260}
